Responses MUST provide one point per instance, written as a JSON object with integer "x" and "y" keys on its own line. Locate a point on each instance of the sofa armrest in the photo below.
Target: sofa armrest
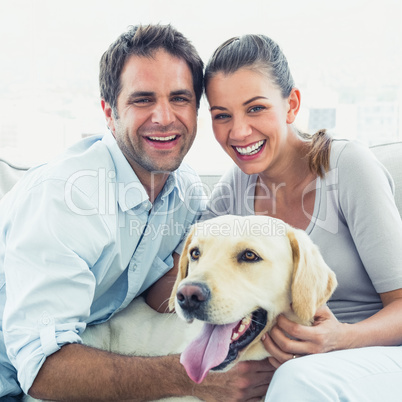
{"x": 9, "y": 175}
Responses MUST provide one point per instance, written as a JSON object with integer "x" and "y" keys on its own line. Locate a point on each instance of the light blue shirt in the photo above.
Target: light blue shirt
{"x": 79, "y": 240}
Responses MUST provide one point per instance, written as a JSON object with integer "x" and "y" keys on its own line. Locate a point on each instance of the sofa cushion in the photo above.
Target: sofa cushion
{"x": 390, "y": 155}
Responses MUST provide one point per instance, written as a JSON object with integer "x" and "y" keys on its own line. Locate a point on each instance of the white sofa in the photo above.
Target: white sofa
{"x": 389, "y": 154}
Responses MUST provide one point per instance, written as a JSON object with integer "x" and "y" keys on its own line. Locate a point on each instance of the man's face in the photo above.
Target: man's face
{"x": 157, "y": 114}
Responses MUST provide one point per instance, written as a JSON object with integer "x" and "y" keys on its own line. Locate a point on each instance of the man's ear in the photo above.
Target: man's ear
{"x": 110, "y": 120}
{"x": 293, "y": 105}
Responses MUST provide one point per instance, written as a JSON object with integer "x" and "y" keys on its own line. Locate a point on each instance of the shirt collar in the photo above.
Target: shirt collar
{"x": 173, "y": 183}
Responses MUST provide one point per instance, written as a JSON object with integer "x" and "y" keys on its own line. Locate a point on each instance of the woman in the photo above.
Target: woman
{"x": 342, "y": 197}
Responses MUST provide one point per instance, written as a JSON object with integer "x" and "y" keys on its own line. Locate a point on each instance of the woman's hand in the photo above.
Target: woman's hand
{"x": 288, "y": 340}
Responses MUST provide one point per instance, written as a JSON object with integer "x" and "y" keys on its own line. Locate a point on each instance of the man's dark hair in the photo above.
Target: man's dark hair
{"x": 144, "y": 40}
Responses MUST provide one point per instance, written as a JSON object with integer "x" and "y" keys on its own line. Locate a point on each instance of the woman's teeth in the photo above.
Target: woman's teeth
{"x": 170, "y": 138}
{"x": 251, "y": 150}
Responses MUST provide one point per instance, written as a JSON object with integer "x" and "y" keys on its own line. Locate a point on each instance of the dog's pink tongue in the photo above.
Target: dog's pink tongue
{"x": 207, "y": 351}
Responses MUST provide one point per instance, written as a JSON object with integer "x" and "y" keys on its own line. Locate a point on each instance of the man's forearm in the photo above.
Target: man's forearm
{"x": 78, "y": 372}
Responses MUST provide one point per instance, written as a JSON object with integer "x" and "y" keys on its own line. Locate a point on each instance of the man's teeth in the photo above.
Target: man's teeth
{"x": 245, "y": 323}
{"x": 253, "y": 149}
{"x": 170, "y": 138}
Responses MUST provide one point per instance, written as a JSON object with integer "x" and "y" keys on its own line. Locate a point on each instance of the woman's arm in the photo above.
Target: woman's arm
{"x": 327, "y": 333}
{"x": 383, "y": 328}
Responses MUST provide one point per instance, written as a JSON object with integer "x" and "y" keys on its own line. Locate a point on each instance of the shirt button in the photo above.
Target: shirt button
{"x": 45, "y": 319}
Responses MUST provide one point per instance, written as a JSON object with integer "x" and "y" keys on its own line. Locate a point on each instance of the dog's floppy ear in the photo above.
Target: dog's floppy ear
{"x": 313, "y": 282}
{"x": 182, "y": 272}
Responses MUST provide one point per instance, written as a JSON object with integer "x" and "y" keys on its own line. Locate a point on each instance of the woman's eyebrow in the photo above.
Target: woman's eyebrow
{"x": 244, "y": 104}
{"x": 253, "y": 99}
{"x": 217, "y": 108}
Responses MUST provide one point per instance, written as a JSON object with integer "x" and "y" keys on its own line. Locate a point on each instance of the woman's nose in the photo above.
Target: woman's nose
{"x": 240, "y": 130}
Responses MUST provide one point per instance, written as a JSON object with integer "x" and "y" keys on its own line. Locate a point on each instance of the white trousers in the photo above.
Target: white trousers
{"x": 372, "y": 374}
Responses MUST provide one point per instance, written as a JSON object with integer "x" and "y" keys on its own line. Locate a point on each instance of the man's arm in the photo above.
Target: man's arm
{"x": 80, "y": 373}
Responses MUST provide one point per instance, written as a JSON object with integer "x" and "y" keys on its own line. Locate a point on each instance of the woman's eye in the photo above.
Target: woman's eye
{"x": 255, "y": 109}
{"x": 249, "y": 256}
{"x": 195, "y": 254}
{"x": 221, "y": 116}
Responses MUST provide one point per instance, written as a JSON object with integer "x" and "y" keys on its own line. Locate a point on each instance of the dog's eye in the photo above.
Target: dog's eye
{"x": 195, "y": 254}
{"x": 249, "y": 256}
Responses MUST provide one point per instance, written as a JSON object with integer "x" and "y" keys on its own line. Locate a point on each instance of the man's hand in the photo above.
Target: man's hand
{"x": 288, "y": 339}
{"x": 247, "y": 381}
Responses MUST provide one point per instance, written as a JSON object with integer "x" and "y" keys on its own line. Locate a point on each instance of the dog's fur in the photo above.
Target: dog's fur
{"x": 290, "y": 278}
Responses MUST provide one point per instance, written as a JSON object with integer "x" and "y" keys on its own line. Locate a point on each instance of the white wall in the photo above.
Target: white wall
{"x": 342, "y": 53}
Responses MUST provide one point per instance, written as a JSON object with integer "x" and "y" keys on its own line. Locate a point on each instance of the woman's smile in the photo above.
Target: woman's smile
{"x": 250, "y": 151}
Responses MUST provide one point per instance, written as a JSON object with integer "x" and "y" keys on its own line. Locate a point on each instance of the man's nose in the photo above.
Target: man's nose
{"x": 163, "y": 114}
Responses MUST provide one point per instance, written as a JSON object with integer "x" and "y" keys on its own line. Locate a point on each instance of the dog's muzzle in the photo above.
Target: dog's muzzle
{"x": 217, "y": 345}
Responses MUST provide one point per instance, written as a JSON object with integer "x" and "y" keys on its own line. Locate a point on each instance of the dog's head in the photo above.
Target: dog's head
{"x": 237, "y": 274}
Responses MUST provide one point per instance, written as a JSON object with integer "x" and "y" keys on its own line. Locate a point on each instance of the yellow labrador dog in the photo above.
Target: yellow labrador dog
{"x": 237, "y": 274}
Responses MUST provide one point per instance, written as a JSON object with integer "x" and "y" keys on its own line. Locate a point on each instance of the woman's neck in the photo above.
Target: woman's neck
{"x": 292, "y": 171}
{"x": 282, "y": 191}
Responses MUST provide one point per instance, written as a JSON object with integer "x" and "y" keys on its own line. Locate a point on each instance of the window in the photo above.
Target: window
{"x": 345, "y": 56}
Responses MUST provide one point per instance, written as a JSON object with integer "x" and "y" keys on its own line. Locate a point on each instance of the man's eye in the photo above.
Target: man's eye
{"x": 249, "y": 256}
{"x": 179, "y": 99}
{"x": 195, "y": 254}
{"x": 142, "y": 100}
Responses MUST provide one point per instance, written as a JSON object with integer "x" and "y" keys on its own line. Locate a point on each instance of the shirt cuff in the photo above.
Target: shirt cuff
{"x": 31, "y": 358}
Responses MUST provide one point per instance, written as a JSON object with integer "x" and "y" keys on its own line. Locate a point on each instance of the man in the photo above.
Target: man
{"x": 86, "y": 233}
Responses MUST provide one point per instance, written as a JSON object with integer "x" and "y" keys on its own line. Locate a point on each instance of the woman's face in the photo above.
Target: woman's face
{"x": 250, "y": 118}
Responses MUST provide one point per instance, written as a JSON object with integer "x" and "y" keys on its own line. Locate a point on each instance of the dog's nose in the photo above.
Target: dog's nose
{"x": 192, "y": 296}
